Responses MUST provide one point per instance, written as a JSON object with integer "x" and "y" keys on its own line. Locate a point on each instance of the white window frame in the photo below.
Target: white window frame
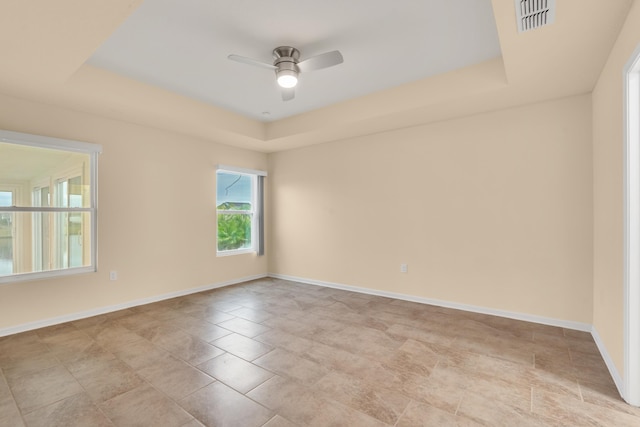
{"x": 631, "y": 391}
{"x": 66, "y": 145}
{"x": 255, "y": 238}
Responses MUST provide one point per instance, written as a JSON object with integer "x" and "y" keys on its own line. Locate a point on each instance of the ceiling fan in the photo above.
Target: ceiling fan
{"x": 288, "y": 66}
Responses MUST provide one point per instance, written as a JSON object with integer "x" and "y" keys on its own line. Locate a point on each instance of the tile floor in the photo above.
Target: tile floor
{"x": 277, "y": 353}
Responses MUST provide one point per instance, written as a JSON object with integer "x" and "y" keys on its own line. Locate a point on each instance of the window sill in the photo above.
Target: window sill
{"x": 45, "y": 274}
{"x": 235, "y": 252}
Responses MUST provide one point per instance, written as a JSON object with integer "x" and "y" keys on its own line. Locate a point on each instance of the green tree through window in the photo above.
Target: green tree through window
{"x": 235, "y": 204}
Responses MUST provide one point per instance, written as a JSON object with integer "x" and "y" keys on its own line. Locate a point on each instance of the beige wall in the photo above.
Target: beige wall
{"x": 493, "y": 210}
{"x": 608, "y": 144}
{"x": 156, "y": 215}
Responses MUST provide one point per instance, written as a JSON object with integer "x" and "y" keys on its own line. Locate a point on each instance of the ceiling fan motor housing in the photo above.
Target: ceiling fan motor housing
{"x": 286, "y": 60}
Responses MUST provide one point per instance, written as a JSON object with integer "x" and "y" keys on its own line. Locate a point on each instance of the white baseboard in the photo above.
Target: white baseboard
{"x": 567, "y": 324}
{"x": 617, "y": 379}
{"x": 111, "y": 308}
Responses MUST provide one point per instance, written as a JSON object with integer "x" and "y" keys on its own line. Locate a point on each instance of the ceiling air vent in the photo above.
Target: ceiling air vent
{"x": 534, "y": 14}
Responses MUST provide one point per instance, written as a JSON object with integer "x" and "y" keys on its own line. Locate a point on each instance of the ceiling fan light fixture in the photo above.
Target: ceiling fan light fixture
{"x": 287, "y": 78}
{"x": 287, "y": 65}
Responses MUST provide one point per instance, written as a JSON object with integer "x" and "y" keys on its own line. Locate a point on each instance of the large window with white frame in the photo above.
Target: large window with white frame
{"x": 48, "y": 206}
{"x": 239, "y": 204}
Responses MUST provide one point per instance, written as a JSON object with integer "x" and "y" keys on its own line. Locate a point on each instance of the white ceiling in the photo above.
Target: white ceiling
{"x": 182, "y": 46}
{"x": 48, "y": 58}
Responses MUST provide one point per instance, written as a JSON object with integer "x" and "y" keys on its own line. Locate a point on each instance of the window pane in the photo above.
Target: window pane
{"x": 20, "y": 163}
{"x": 75, "y": 192}
{"x": 6, "y": 244}
{"x": 69, "y": 245}
{"x": 6, "y": 198}
{"x": 70, "y": 239}
{"x": 234, "y": 231}
{"x": 234, "y": 191}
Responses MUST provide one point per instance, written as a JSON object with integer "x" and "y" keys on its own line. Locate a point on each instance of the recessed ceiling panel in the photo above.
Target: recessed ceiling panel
{"x": 182, "y": 46}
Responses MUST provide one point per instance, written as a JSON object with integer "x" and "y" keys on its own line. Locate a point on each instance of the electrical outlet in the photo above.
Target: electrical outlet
{"x": 113, "y": 275}
{"x": 404, "y": 268}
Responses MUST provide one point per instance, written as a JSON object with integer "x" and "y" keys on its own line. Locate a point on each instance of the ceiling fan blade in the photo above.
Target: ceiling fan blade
{"x": 288, "y": 94}
{"x": 324, "y": 60}
{"x": 245, "y": 60}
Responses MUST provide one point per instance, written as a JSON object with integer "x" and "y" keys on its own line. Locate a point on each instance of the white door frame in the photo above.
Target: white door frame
{"x": 631, "y": 391}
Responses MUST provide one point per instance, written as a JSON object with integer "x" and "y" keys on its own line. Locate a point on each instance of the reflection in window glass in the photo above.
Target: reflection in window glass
{"x": 69, "y": 225}
{"x": 6, "y": 235}
{"x": 41, "y": 227}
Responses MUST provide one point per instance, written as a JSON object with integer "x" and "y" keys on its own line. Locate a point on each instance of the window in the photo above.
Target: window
{"x": 47, "y": 206}
{"x": 239, "y": 203}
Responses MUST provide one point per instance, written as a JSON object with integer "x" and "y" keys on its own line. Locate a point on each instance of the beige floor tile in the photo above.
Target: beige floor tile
{"x": 332, "y": 413}
{"x": 515, "y": 395}
{"x": 111, "y": 336}
{"x": 241, "y": 346}
{"x": 41, "y": 388}
{"x": 285, "y": 340}
{"x": 144, "y": 406}
{"x": 77, "y": 410}
{"x": 367, "y": 342}
{"x": 214, "y": 316}
{"x": 138, "y": 321}
{"x": 607, "y": 396}
{"x": 288, "y": 398}
{"x": 422, "y": 414}
{"x": 163, "y": 313}
{"x": 563, "y": 382}
{"x": 200, "y": 329}
{"x": 254, "y": 315}
{"x": 290, "y": 365}
{"x": 568, "y": 410}
{"x": 279, "y": 421}
{"x": 74, "y": 346}
{"x": 235, "y": 372}
{"x": 443, "y": 389}
{"x": 220, "y": 405}
{"x": 56, "y": 330}
{"x": 181, "y": 344}
{"x": 175, "y": 377}
{"x": 193, "y": 423}
{"x": 488, "y": 367}
{"x": 141, "y": 354}
{"x": 313, "y": 323}
{"x": 377, "y": 402}
{"x": 90, "y": 322}
{"x": 104, "y": 379}
{"x": 29, "y": 365}
{"x": 582, "y": 346}
{"x": 89, "y": 360}
{"x": 414, "y": 356}
{"x": 9, "y": 413}
{"x": 485, "y": 410}
{"x": 244, "y": 327}
{"x": 19, "y": 347}
{"x": 424, "y": 335}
